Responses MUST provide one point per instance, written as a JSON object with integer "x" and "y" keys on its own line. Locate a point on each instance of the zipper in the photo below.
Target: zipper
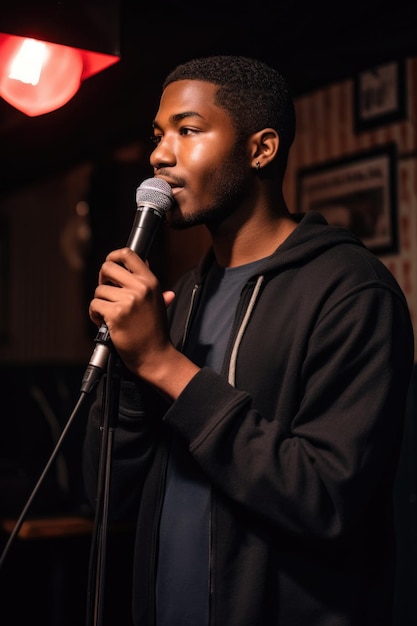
{"x": 190, "y": 310}
{"x": 154, "y": 557}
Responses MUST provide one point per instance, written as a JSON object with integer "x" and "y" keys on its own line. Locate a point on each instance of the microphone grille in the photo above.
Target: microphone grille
{"x": 155, "y": 192}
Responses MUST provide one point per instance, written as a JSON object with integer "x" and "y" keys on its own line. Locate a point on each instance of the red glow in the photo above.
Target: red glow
{"x": 61, "y": 74}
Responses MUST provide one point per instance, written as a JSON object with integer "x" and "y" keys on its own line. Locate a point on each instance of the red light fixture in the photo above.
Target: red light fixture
{"x": 39, "y": 72}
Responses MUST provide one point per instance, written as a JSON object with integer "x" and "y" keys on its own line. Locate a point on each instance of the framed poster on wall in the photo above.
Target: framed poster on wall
{"x": 358, "y": 192}
{"x": 380, "y": 96}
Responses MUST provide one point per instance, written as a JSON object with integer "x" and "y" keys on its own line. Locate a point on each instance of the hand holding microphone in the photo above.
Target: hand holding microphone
{"x": 153, "y": 198}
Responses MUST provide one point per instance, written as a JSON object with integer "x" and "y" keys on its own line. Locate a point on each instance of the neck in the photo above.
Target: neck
{"x": 254, "y": 240}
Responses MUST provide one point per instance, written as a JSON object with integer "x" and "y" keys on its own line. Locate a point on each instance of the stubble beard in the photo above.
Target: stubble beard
{"x": 228, "y": 192}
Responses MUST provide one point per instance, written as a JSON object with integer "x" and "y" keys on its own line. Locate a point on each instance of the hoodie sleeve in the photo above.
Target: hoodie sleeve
{"x": 325, "y": 448}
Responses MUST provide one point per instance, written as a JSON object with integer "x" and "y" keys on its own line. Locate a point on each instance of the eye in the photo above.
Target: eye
{"x": 155, "y": 139}
{"x": 186, "y": 130}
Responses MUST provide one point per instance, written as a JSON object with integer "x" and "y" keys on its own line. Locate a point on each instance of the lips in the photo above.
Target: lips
{"x": 175, "y": 190}
{"x": 174, "y": 183}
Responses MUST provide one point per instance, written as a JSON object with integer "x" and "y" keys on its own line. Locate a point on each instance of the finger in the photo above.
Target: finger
{"x": 94, "y": 314}
{"x": 169, "y": 297}
{"x": 126, "y": 257}
{"x": 114, "y": 273}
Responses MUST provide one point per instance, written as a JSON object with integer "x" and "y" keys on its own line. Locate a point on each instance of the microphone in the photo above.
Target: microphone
{"x": 153, "y": 199}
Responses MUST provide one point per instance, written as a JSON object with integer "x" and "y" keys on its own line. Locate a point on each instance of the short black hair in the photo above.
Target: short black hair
{"x": 255, "y": 94}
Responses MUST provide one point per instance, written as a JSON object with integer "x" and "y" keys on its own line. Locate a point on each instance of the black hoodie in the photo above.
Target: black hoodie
{"x": 299, "y": 437}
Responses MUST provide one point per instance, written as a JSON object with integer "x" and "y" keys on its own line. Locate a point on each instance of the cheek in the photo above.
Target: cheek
{"x": 203, "y": 156}
{"x": 212, "y": 148}
{"x": 205, "y": 165}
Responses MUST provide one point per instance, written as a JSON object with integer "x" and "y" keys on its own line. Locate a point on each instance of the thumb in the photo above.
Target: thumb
{"x": 169, "y": 297}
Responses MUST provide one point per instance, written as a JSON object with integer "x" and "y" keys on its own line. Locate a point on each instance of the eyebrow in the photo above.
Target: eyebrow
{"x": 177, "y": 117}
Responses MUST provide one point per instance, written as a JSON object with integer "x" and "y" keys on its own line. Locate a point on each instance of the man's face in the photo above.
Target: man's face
{"x": 198, "y": 153}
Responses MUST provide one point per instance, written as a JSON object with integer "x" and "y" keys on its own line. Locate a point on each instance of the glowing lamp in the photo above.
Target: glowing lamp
{"x": 39, "y": 74}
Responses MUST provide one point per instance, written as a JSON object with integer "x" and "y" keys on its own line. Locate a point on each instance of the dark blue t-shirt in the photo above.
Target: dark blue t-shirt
{"x": 183, "y": 563}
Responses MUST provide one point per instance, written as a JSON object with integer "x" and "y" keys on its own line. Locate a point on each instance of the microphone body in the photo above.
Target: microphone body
{"x": 153, "y": 199}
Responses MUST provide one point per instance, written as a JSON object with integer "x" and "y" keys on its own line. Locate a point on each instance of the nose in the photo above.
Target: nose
{"x": 163, "y": 155}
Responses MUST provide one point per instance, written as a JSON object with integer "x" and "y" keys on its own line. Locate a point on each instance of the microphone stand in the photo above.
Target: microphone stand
{"x": 97, "y": 565}
{"x": 96, "y": 575}
{"x": 35, "y": 490}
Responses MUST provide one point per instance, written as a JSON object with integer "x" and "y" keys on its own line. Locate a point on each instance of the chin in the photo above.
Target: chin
{"x": 179, "y": 221}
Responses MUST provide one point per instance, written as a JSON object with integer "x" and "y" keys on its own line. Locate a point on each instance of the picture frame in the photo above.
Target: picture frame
{"x": 357, "y": 192}
{"x": 380, "y": 96}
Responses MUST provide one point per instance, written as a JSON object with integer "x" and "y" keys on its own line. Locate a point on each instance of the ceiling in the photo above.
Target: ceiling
{"x": 312, "y": 43}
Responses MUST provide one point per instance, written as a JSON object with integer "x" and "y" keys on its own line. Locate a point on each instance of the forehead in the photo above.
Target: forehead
{"x": 191, "y": 96}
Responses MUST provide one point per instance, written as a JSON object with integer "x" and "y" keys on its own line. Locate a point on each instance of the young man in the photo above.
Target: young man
{"x": 261, "y": 409}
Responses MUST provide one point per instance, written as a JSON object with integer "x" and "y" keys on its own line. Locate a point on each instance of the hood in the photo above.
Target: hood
{"x": 309, "y": 240}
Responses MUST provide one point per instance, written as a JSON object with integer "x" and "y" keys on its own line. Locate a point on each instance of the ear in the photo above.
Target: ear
{"x": 264, "y": 147}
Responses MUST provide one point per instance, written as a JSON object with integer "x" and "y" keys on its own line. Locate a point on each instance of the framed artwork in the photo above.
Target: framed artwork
{"x": 359, "y": 193}
{"x": 380, "y": 96}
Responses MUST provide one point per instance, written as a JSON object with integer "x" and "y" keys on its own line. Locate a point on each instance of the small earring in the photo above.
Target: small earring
{"x": 258, "y": 166}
